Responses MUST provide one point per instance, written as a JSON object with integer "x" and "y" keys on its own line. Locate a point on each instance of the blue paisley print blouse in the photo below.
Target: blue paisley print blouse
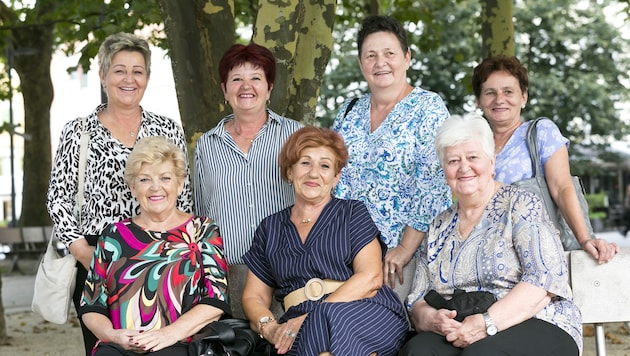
{"x": 514, "y": 242}
{"x": 394, "y": 170}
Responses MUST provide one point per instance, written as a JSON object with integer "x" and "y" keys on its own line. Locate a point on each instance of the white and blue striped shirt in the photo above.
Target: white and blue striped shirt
{"x": 239, "y": 189}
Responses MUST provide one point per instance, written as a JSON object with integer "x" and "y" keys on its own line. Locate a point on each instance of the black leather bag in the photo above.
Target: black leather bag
{"x": 465, "y": 303}
{"x": 227, "y": 337}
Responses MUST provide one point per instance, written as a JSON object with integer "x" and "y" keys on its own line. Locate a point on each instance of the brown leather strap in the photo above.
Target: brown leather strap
{"x": 314, "y": 289}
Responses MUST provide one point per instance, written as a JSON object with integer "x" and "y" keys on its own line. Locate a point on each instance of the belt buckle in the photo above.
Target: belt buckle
{"x": 314, "y": 282}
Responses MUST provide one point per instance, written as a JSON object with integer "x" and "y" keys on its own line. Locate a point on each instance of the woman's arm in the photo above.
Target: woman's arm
{"x": 103, "y": 329}
{"x": 185, "y": 326}
{"x": 558, "y": 176}
{"x": 367, "y": 278}
{"x": 257, "y": 297}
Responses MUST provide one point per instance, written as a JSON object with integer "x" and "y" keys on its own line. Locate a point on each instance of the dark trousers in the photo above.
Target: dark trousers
{"x": 110, "y": 349}
{"x": 531, "y": 337}
{"x": 89, "y": 339}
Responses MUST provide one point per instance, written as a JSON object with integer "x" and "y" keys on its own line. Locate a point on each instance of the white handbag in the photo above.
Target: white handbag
{"x": 56, "y": 275}
{"x": 54, "y": 285}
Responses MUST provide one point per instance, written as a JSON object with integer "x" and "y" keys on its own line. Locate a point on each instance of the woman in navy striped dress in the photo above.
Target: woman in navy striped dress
{"x": 322, "y": 258}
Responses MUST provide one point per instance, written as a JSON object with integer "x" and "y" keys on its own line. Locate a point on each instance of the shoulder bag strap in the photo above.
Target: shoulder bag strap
{"x": 350, "y": 106}
{"x": 85, "y": 137}
{"x": 532, "y": 145}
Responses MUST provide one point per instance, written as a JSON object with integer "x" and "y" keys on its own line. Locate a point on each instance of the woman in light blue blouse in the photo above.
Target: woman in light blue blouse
{"x": 501, "y": 86}
{"x": 389, "y": 132}
{"x": 497, "y": 238}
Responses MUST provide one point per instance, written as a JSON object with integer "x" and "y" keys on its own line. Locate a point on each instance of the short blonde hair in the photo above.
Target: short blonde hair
{"x": 152, "y": 150}
{"x": 122, "y": 42}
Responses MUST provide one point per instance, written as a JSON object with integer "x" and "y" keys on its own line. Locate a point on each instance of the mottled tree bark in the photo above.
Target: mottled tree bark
{"x": 497, "y": 27}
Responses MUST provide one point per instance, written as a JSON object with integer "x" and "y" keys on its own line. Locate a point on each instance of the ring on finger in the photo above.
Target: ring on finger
{"x": 392, "y": 271}
{"x": 289, "y": 333}
{"x": 292, "y": 335}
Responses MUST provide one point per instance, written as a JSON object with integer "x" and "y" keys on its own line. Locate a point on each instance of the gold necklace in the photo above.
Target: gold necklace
{"x": 306, "y": 221}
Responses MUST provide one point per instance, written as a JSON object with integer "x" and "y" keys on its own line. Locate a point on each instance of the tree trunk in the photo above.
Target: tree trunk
{"x": 301, "y": 40}
{"x": 31, "y": 60}
{"x": 198, "y": 35}
{"x": 497, "y": 28}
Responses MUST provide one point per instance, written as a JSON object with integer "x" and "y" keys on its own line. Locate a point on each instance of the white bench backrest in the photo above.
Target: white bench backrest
{"x": 602, "y": 292}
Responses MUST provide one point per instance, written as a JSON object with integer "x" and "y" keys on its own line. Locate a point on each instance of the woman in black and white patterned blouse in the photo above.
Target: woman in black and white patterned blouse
{"x": 113, "y": 129}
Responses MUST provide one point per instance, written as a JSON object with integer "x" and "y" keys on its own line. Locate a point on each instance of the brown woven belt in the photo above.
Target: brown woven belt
{"x": 314, "y": 289}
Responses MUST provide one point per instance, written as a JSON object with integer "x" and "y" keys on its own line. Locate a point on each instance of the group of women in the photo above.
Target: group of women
{"x": 338, "y": 226}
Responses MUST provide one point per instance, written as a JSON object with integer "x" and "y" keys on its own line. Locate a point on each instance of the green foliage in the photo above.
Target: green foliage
{"x": 597, "y": 205}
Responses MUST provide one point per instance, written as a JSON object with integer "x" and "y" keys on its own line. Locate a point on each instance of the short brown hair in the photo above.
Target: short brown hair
{"x": 311, "y": 137}
{"x": 499, "y": 63}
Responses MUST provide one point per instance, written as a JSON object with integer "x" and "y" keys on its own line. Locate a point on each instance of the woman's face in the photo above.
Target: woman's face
{"x": 467, "y": 168}
{"x": 246, "y": 88}
{"x": 313, "y": 175}
{"x": 382, "y": 61}
{"x": 501, "y": 98}
{"x": 126, "y": 80}
{"x": 157, "y": 187}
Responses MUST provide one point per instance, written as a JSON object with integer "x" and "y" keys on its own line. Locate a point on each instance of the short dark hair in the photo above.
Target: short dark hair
{"x": 240, "y": 54}
{"x": 499, "y": 63}
{"x": 311, "y": 137}
{"x": 381, "y": 23}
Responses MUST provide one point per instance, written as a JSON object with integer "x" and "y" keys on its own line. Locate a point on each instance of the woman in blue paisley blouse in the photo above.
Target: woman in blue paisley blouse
{"x": 113, "y": 129}
{"x": 499, "y": 239}
{"x": 389, "y": 132}
{"x": 156, "y": 278}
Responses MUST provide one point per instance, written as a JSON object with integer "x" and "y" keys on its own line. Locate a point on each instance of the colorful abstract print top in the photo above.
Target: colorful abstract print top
{"x": 144, "y": 280}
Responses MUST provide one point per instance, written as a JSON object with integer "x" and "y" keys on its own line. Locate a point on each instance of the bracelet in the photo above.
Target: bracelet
{"x": 262, "y": 322}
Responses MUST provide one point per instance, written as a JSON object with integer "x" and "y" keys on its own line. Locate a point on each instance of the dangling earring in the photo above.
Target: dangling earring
{"x": 268, "y": 102}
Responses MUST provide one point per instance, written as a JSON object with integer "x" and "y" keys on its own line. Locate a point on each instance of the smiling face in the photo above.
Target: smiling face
{"x": 314, "y": 175}
{"x": 246, "y": 88}
{"x": 156, "y": 187}
{"x": 501, "y": 99}
{"x": 468, "y": 169}
{"x": 126, "y": 80}
{"x": 383, "y": 62}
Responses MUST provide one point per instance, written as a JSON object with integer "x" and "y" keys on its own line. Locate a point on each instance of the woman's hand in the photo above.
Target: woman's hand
{"x": 283, "y": 335}
{"x": 601, "y": 250}
{"x": 472, "y": 329}
{"x": 439, "y": 321}
{"x": 397, "y": 258}
{"x": 154, "y": 340}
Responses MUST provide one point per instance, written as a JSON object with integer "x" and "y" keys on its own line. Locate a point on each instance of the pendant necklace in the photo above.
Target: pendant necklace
{"x": 306, "y": 221}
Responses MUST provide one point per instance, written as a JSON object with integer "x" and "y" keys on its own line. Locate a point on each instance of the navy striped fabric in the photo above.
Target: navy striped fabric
{"x": 239, "y": 189}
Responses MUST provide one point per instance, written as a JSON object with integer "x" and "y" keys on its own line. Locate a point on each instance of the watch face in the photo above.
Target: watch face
{"x": 491, "y": 330}
{"x": 264, "y": 319}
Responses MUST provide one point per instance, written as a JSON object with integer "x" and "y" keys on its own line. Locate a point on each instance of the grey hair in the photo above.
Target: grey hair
{"x": 459, "y": 129}
{"x": 122, "y": 42}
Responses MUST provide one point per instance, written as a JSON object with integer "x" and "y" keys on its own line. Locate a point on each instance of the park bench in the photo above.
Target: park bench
{"x": 24, "y": 242}
{"x": 602, "y": 292}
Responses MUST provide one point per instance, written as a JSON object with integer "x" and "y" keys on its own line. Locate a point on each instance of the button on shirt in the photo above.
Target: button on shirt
{"x": 239, "y": 189}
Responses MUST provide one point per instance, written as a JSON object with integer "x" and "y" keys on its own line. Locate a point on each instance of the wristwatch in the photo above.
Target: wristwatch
{"x": 262, "y": 322}
{"x": 491, "y": 329}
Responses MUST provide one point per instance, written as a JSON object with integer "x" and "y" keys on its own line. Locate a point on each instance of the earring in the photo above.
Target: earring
{"x": 268, "y": 102}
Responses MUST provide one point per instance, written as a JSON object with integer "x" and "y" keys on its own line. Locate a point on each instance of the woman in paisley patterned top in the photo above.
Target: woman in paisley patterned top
{"x": 496, "y": 238}
{"x": 113, "y": 129}
{"x": 159, "y": 277}
{"x": 389, "y": 132}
